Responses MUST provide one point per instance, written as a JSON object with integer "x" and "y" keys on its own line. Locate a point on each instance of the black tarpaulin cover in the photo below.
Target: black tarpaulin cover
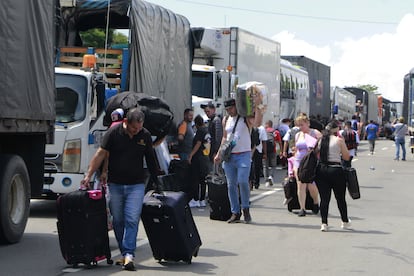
{"x": 26, "y": 59}
{"x": 160, "y": 48}
{"x": 158, "y": 117}
{"x": 161, "y": 55}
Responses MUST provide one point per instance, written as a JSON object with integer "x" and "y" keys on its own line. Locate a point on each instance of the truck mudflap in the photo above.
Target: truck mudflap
{"x": 15, "y": 196}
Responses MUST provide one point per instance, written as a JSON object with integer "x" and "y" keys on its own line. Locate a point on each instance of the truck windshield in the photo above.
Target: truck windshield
{"x": 71, "y": 99}
{"x": 202, "y": 84}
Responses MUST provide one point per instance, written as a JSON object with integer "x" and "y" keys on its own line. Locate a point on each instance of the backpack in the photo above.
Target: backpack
{"x": 255, "y": 140}
{"x": 270, "y": 142}
{"x": 350, "y": 139}
{"x": 307, "y": 167}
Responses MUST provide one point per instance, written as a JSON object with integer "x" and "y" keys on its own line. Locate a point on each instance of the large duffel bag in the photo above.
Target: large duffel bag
{"x": 82, "y": 227}
{"x": 170, "y": 227}
{"x": 158, "y": 116}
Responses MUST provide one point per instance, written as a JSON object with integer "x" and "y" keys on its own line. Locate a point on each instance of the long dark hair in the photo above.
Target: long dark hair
{"x": 326, "y": 136}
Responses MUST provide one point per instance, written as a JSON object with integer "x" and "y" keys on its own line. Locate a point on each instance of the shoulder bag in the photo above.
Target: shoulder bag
{"x": 352, "y": 182}
{"x": 228, "y": 145}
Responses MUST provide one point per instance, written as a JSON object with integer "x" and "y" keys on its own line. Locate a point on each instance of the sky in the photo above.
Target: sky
{"x": 363, "y": 41}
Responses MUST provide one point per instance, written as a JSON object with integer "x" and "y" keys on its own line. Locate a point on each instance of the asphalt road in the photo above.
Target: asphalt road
{"x": 277, "y": 242}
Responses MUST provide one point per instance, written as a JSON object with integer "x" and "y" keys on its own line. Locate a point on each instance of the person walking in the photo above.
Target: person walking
{"x": 400, "y": 130}
{"x": 199, "y": 162}
{"x": 259, "y": 152}
{"x": 237, "y": 169}
{"x": 185, "y": 134}
{"x": 305, "y": 140}
{"x": 126, "y": 145}
{"x": 289, "y": 142}
{"x": 330, "y": 174}
{"x": 371, "y": 133}
{"x": 351, "y": 139}
{"x": 215, "y": 128}
{"x": 283, "y": 126}
{"x": 273, "y": 147}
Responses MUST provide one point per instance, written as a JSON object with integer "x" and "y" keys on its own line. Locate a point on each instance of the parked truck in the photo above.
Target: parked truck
{"x": 294, "y": 90}
{"x": 157, "y": 62}
{"x": 367, "y": 105}
{"x": 343, "y": 104}
{"x": 225, "y": 57}
{"x": 27, "y": 107}
{"x": 319, "y": 85}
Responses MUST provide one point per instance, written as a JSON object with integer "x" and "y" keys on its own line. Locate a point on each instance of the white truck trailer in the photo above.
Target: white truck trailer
{"x": 343, "y": 104}
{"x": 232, "y": 56}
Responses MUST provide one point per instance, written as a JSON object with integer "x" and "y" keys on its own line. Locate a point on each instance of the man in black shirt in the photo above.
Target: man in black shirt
{"x": 125, "y": 145}
{"x": 215, "y": 128}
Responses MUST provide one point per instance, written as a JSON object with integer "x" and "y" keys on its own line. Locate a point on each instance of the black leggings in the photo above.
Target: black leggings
{"x": 256, "y": 168}
{"x": 331, "y": 178}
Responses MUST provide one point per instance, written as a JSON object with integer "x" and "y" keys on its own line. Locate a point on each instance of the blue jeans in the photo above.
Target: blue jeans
{"x": 125, "y": 203}
{"x": 399, "y": 142}
{"x": 237, "y": 172}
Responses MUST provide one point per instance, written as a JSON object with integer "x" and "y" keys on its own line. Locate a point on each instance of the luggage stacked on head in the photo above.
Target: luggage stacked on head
{"x": 218, "y": 198}
{"x": 82, "y": 227}
{"x": 291, "y": 194}
{"x": 246, "y": 95}
{"x": 158, "y": 116}
{"x": 170, "y": 227}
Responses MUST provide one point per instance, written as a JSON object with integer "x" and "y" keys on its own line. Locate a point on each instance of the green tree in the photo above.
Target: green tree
{"x": 119, "y": 38}
{"x": 370, "y": 88}
{"x": 96, "y": 38}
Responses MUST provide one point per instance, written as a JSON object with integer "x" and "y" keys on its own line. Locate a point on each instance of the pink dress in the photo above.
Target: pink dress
{"x": 302, "y": 145}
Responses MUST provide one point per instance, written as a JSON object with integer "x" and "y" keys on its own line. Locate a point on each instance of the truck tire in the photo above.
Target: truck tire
{"x": 14, "y": 198}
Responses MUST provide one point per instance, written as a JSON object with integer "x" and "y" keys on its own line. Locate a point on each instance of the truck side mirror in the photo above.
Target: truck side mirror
{"x": 100, "y": 97}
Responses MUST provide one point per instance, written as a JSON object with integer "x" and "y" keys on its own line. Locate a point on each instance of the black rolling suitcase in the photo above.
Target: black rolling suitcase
{"x": 82, "y": 227}
{"x": 291, "y": 192}
{"x": 170, "y": 227}
{"x": 218, "y": 198}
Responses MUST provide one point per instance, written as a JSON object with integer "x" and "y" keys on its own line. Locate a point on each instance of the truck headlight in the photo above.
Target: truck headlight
{"x": 71, "y": 156}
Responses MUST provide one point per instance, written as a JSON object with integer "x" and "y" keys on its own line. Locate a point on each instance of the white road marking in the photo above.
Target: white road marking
{"x": 264, "y": 194}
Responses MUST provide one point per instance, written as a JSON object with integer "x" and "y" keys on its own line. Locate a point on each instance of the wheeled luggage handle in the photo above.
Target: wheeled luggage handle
{"x": 99, "y": 189}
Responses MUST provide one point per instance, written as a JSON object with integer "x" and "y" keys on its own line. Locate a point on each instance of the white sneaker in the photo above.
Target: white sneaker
{"x": 324, "y": 227}
{"x": 267, "y": 184}
{"x": 203, "y": 203}
{"x": 129, "y": 262}
{"x": 270, "y": 181}
{"x": 346, "y": 225}
{"x": 194, "y": 203}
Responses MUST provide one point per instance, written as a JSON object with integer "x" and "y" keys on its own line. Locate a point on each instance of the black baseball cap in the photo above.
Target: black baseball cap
{"x": 210, "y": 104}
{"x": 230, "y": 102}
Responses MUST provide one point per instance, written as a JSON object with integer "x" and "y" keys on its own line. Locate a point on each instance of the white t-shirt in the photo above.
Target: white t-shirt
{"x": 262, "y": 137}
{"x": 241, "y": 134}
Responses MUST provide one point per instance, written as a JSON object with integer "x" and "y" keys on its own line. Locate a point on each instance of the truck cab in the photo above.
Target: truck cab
{"x": 80, "y": 102}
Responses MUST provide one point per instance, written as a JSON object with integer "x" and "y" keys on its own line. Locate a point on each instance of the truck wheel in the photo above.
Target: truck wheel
{"x": 14, "y": 198}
